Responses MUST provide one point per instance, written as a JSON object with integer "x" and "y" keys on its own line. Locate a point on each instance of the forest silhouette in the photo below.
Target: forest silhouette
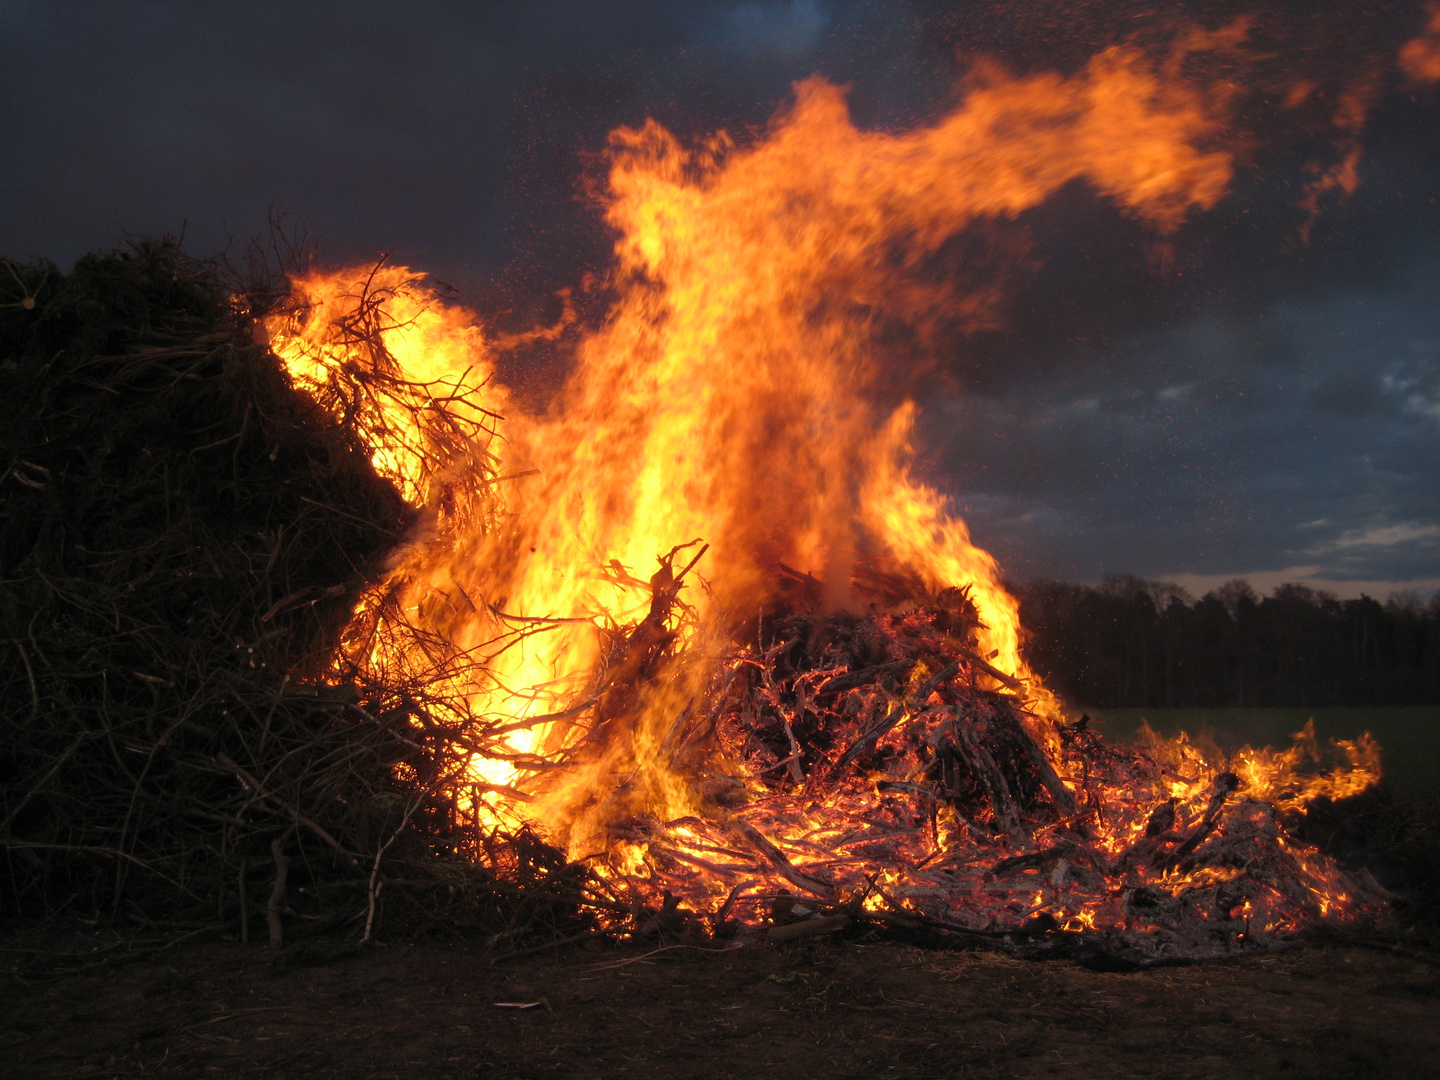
{"x": 1134, "y": 643}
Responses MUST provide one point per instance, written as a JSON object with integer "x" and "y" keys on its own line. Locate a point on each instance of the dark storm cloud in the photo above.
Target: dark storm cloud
{"x": 429, "y": 127}
{"x": 754, "y": 28}
{"x": 1233, "y": 400}
{"x": 377, "y": 124}
{"x": 1208, "y": 448}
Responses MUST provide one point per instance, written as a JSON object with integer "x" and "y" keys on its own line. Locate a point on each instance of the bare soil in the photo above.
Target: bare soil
{"x": 817, "y": 1008}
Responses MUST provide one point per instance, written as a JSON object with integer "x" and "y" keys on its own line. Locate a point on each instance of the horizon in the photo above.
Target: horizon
{"x": 1199, "y": 586}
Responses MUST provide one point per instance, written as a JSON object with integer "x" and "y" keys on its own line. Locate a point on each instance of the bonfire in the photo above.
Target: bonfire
{"x": 699, "y": 623}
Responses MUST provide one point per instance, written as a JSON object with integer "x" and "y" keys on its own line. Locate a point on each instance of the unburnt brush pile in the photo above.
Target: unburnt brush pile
{"x": 182, "y": 539}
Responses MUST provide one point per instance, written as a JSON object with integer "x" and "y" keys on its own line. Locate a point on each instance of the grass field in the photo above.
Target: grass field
{"x": 1409, "y": 737}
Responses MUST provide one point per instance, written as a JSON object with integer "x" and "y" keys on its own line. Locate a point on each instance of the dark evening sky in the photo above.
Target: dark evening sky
{"x": 1251, "y": 398}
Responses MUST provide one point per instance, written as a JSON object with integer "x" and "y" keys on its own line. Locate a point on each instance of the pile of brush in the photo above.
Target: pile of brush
{"x": 876, "y": 768}
{"x": 182, "y": 540}
{"x": 202, "y": 733}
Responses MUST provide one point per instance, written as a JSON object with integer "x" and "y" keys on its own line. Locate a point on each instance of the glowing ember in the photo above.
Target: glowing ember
{"x": 819, "y": 692}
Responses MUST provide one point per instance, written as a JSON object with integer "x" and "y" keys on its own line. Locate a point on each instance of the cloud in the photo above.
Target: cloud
{"x": 1207, "y": 450}
{"x": 451, "y": 132}
{"x": 781, "y": 26}
{"x": 1384, "y": 536}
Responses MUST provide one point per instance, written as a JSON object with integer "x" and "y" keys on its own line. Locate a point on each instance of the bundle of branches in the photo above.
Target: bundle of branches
{"x": 182, "y": 539}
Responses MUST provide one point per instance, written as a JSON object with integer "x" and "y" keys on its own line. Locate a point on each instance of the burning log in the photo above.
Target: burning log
{"x": 991, "y": 779}
{"x": 838, "y": 684}
{"x": 783, "y": 865}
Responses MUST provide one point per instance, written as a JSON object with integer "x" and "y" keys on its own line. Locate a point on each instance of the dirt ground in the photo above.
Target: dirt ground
{"x": 817, "y": 1008}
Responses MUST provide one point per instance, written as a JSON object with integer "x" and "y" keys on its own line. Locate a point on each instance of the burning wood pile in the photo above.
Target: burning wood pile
{"x": 731, "y": 744}
{"x": 851, "y": 768}
{"x": 858, "y": 738}
{"x": 790, "y": 773}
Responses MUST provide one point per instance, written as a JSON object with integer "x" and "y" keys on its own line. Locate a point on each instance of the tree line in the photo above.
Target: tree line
{"x": 1134, "y": 643}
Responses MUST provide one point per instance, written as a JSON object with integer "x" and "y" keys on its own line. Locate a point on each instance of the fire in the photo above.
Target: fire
{"x": 423, "y": 405}
{"x": 732, "y": 450}
{"x": 1293, "y": 777}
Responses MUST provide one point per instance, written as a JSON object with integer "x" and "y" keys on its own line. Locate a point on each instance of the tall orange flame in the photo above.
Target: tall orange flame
{"x": 732, "y": 395}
